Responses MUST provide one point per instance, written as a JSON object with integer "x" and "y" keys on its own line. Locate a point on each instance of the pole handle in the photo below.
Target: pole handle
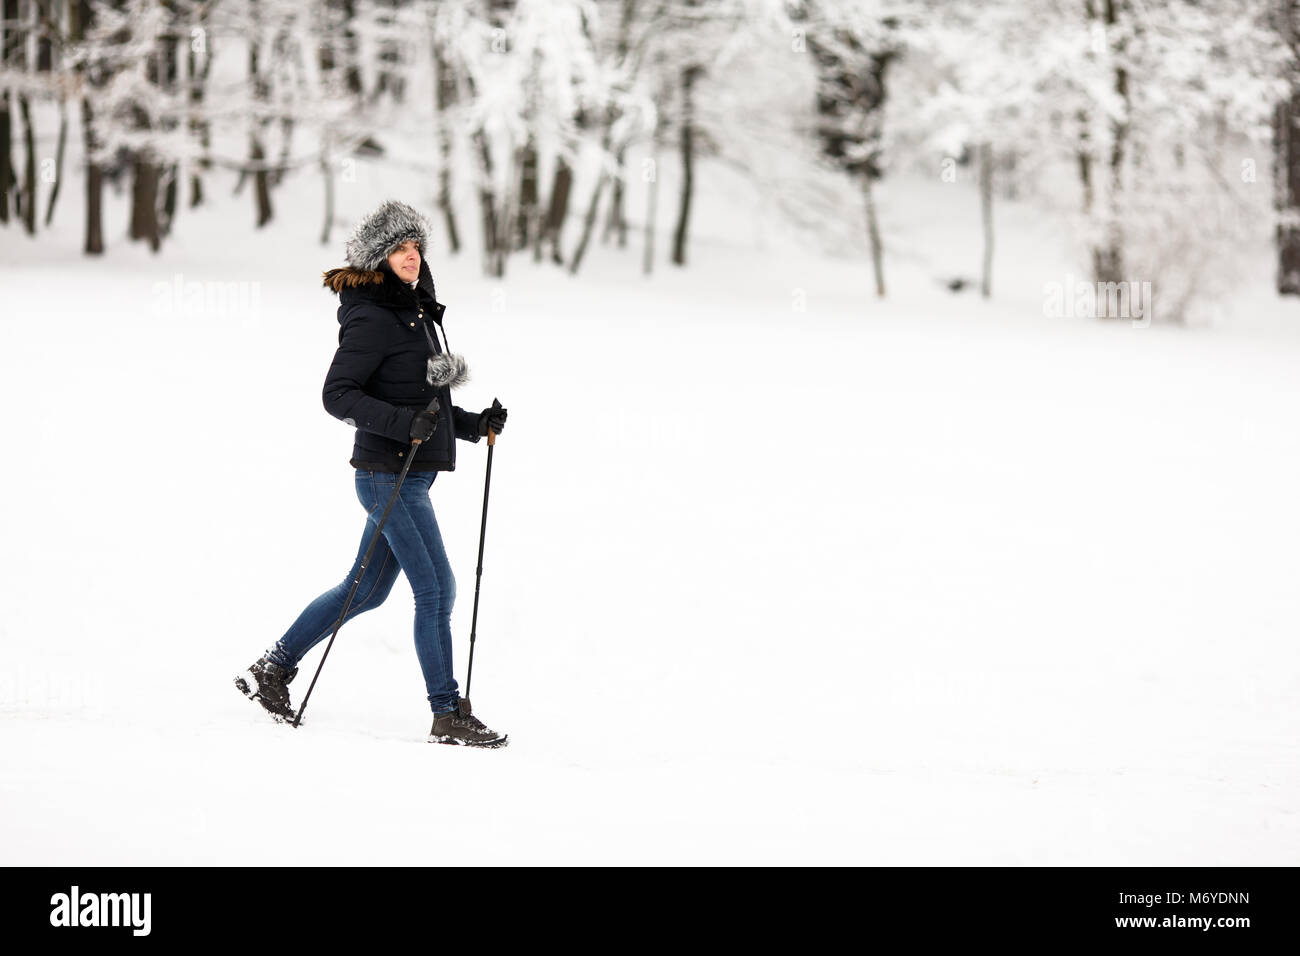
{"x": 491, "y": 435}
{"x": 433, "y": 407}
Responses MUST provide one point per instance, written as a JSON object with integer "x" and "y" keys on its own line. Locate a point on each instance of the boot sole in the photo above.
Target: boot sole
{"x": 458, "y": 742}
{"x": 242, "y": 685}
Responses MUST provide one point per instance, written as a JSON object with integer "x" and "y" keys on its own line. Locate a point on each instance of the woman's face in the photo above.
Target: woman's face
{"x": 405, "y": 262}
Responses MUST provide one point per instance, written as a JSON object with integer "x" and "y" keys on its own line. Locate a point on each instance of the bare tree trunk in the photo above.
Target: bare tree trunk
{"x": 388, "y": 77}
{"x": 588, "y": 223}
{"x": 280, "y": 51}
{"x": 1286, "y": 164}
{"x": 46, "y": 19}
{"x": 276, "y": 175}
{"x": 28, "y": 194}
{"x": 170, "y": 178}
{"x": 529, "y": 203}
{"x": 351, "y": 71}
{"x": 615, "y": 223}
{"x": 59, "y": 151}
{"x": 1286, "y": 161}
{"x": 873, "y": 236}
{"x": 986, "y": 215}
{"x": 151, "y": 178}
{"x": 558, "y": 209}
{"x": 261, "y": 182}
{"x": 445, "y": 88}
{"x": 144, "y": 199}
{"x": 18, "y": 31}
{"x": 59, "y": 21}
{"x": 1085, "y": 162}
{"x": 94, "y": 184}
{"x": 327, "y": 174}
{"x": 652, "y": 206}
{"x": 256, "y": 152}
{"x": 688, "y": 164}
{"x": 200, "y": 127}
{"x": 79, "y": 21}
{"x": 327, "y": 61}
{"x": 508, "y": 211}
{"x": 1108, "y": 253}
{"x": 487, "y": 205}
{"x": 10, "y": 49}
{"x": 1085, "y": 147}
{"x": 6, "y": 152}
{"x": 168, "y": 75}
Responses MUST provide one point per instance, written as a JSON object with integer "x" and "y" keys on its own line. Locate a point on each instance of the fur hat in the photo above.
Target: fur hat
{"x": 382, "y": 233}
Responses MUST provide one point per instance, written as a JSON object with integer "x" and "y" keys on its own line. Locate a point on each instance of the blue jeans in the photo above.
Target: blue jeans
{"x": 411, "y": 543}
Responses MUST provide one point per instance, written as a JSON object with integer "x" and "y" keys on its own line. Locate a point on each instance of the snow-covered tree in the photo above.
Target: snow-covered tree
{"x": 1153, "y": 110}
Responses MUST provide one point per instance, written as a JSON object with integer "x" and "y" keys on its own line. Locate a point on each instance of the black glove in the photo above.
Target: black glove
{"x": 493, "y": 418}
{"x": 424, "y": 424}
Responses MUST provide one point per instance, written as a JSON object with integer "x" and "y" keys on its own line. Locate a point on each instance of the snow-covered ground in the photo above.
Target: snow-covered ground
{"x": 775, "y": 573}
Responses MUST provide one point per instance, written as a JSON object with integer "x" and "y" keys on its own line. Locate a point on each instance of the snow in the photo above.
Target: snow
{"x": 774, "y": 572}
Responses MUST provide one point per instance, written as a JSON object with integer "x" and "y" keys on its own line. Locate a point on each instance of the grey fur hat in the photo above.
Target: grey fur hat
{"x": 382, "y": 233}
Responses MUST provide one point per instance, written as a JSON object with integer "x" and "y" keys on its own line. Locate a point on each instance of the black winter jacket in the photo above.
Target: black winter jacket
{"x": 377, "y": 379}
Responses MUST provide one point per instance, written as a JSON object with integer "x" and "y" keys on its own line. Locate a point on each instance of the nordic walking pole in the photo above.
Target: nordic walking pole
{"x": 365, "y": 563}
{"x": 482, "y": 532}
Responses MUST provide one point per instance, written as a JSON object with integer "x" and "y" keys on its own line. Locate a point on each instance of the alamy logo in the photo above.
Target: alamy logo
{"x": 197, "y": 300}
{"x": 1101, "y": 300}
{"x": 102, "y": 909}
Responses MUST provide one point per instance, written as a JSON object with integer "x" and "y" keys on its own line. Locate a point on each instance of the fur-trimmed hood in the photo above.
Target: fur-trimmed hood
{"x": 381, "y": 284}
{"x": 347, "y": 277}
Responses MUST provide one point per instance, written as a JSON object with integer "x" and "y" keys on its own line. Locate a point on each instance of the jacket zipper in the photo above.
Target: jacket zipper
{"x": 444, "y": 412}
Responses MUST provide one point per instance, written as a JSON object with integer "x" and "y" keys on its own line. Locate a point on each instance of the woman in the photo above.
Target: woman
{"x": 388, "y": 368}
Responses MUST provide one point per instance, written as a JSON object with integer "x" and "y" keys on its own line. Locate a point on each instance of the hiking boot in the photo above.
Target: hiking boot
{"x": 267, "y": 683}
{"x": 460, "y": 726}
